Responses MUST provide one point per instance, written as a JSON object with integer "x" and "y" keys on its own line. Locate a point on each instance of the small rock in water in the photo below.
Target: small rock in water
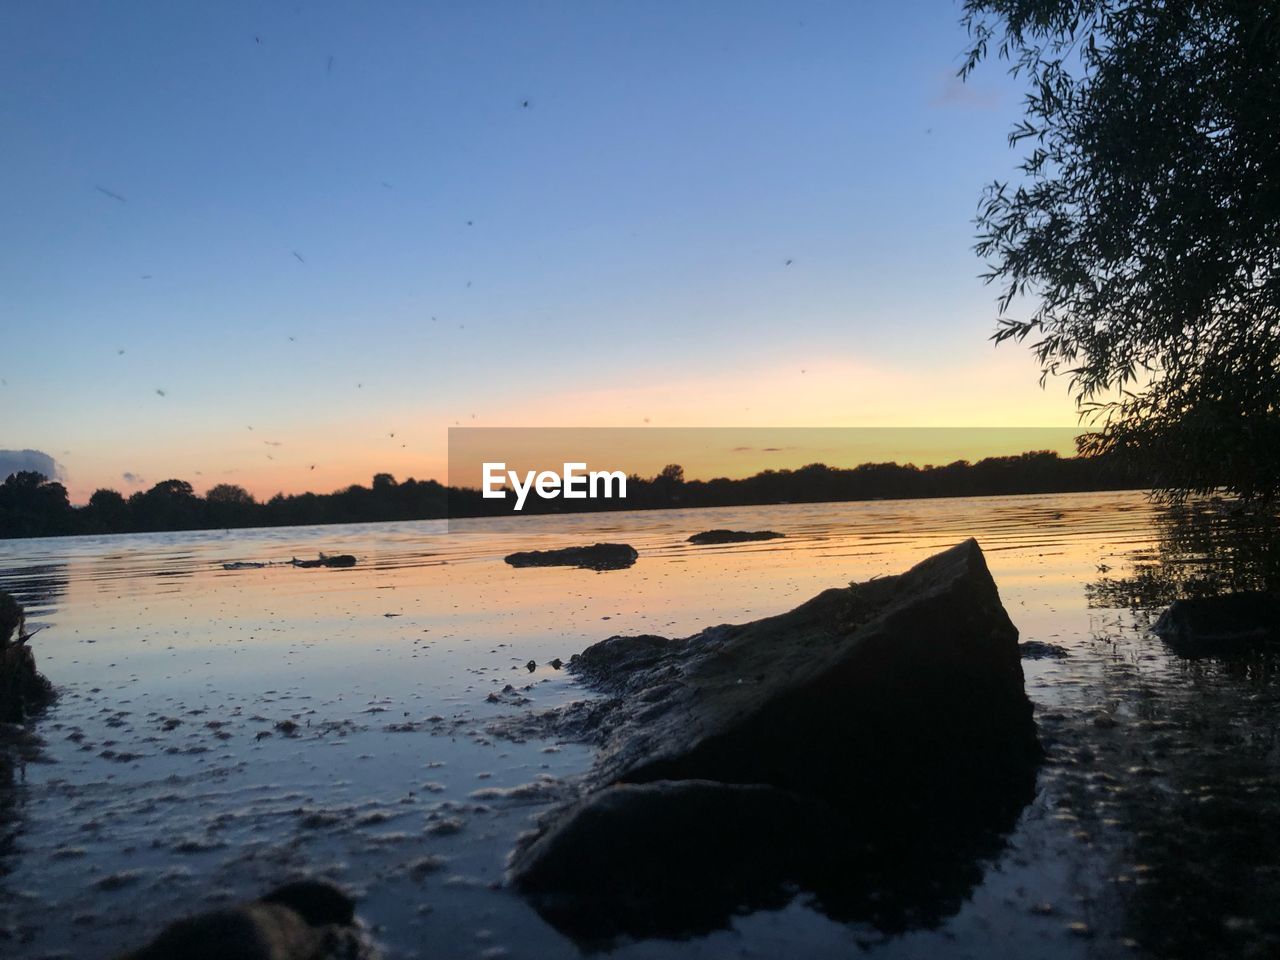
{"x": 1205, "y": 626}
{"x": 119, "y": 880}
{"x": 1039, "y": 650}
{"x": 734, "y": 536}
{"x": 422, "y": 866}
{"x": 600, "y": 556}
{"x": 327, "y": 560}
{"x": 445, "y": 826}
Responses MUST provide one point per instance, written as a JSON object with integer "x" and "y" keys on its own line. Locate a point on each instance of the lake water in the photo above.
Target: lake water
{"x": 160, "y": 783}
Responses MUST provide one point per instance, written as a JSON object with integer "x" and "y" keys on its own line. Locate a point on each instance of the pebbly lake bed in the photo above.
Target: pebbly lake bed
{"x": 218, "y": 731}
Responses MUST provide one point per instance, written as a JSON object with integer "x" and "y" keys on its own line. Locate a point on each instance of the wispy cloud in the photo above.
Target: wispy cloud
{"x": 952, "y": 92}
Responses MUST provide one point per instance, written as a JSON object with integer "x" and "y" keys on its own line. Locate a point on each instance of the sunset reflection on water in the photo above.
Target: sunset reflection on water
{"x": 164, "y": 781}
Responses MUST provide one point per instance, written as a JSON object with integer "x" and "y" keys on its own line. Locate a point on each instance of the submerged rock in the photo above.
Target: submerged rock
{"x": 600, "y": 556}
{"x": 308, "y": 920}
{"x": 23, "y": 690}
{"x": 880, "y": 729}
{"x": 734, "y": 536}
{"x": 1230, "y": 623}
{"x": 1040, "y": 650}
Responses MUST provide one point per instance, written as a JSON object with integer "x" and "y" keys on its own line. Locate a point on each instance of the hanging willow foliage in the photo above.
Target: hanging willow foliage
{"x": 1138, "y": 251}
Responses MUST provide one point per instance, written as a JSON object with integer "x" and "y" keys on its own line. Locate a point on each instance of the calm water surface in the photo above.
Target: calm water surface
{"x": 160, "y": 782}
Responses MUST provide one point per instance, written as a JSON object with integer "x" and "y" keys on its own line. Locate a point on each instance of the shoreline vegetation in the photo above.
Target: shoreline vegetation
{"x": 31, "y": 505}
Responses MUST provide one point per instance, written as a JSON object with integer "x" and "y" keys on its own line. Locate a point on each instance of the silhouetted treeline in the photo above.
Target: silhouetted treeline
{"x": 33, "y": 506}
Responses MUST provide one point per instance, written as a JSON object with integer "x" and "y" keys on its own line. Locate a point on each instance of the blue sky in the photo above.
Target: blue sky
{"x": 613, "y": 251}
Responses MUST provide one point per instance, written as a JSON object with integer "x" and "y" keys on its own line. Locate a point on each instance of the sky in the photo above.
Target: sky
{"x": 289, "y": 245}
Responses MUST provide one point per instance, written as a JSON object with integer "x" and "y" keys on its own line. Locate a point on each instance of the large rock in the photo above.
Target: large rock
{"x": 907, "y": 674}
{"x": 1205, "y": 626}
{"x": 889, "y": 715}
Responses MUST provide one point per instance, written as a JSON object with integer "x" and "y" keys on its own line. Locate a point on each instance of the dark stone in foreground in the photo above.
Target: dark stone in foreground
{"x": 327, "y": 560}
{"x": 307, "y": 920}
{"x": 868, "y": 746}
{"x": 600, "y": 556}
{"x": 23, "y": 690}
{"x": 734, "y": 536}
{"x": 1204, "y": 626}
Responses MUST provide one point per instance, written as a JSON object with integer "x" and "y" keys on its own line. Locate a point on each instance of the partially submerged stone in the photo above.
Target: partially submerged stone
{"x": 896, "y": 707}
{"x": 327, "y": 560}
{"x": 1204, "y": 626}
{"x": 23, "y": 690}
{"x": 734, "y": 536}
{"x": 1040, "y": 650}
{"x": 600, "y": 556}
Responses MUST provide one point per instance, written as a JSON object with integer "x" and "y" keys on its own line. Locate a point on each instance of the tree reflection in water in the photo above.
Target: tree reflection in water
{"x": 1202, "y": 548}
{"x": 1175, "y": 762}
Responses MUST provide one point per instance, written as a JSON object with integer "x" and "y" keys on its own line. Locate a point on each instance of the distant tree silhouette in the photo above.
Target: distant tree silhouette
{"x": 666, "y": 489}
{"x": 32, "y": 506}
{"x": 230, "y": 505}
{"x": 107, "y": 512}
{"x": 169, "y": 505}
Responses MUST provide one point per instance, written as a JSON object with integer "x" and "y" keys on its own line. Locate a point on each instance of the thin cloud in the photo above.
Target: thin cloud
{"x": 954, "y": 93}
